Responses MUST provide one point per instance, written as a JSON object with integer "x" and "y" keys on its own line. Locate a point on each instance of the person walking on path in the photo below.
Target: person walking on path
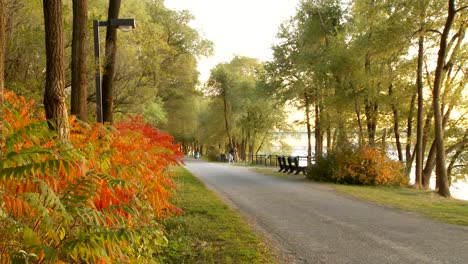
{"x": 231, "y": 155}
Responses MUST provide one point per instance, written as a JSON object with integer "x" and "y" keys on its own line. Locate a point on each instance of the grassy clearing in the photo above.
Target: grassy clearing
{"x": 425, "y": 202}
{"x": 208, "y": 231}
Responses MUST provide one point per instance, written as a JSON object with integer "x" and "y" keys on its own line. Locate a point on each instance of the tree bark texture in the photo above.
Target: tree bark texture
{"x": 226, "y": 122}
{"x": 409, "y": 135}
{"x": 396, "y": 129}
{"x": 318, "y": 132}
{"x": 54, "y": 96}
{"x": 329, "y": 134}
{"x": 441, "y": 169}
{"x": 78, "y": 61}
{"x": 109, "y": 63}
{"x": 419, "y": 127}
{"x": 431, "y": 157}
{"x": 384, "y": 140}
{"x": 371, "y": 109}
{"x": 309, "y": 130}
{"x": 426, "y": 131}
{"x": 2, "y": 48}
{"x": 361, "y": 130}
{"x": 429, "y": 167}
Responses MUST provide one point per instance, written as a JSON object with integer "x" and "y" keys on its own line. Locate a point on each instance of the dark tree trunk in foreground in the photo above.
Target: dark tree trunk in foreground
{"x": 54, "y": 96}
{"x": 78, "y": 64}
{"x": 109, "y": 64}
{"x": 2, "y": 47}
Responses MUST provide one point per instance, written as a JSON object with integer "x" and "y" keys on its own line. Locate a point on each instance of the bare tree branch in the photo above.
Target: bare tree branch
{"x": 461, "y": 8}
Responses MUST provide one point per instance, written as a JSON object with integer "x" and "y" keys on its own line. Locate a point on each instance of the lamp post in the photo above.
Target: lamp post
{"x": 123, "y": 24}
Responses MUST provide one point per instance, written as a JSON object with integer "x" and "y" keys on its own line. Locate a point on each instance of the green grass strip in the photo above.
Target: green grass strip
{"x": 208, "y": 231}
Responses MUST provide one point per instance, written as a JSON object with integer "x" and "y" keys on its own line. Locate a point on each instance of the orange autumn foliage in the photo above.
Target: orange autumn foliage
{"x": 108, "y": 184}
{"x": 362, "y": 166}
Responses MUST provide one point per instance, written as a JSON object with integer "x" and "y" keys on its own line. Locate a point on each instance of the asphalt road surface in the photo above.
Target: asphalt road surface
{"x": 309, "y": 223}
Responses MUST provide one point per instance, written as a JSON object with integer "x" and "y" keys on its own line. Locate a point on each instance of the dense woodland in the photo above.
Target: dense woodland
{"x": 389, "y": 76}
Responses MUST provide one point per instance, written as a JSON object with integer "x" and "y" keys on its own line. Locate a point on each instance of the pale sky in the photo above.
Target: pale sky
{"x": 236, "y": 27}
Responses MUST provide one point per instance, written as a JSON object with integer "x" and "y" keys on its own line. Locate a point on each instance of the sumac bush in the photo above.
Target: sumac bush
{"x": 361, "y": 166}
{"x": 96, "y": 199}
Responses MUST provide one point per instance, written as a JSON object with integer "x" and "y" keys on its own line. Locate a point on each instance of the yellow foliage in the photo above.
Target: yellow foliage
{"x": 368, "y": 166}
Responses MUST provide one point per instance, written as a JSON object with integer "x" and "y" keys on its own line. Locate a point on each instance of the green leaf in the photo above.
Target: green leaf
{"x": 30, "y": 238}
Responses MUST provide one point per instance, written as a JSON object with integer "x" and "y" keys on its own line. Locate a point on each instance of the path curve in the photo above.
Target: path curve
{"x": 313, "y": 224}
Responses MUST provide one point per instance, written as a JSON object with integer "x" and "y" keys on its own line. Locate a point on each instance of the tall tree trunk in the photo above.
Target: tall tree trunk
{"x": 419, "y": 133}
{"x": 263, "y": 138}
{"x": 426, "y": 174}
{"x": 78, "y": 62}
{"x": 2, "y": 49}
{"x": 309, "y": 130}
{"x": 384, "y": 140}
{"x": 429, "y": 167}
{"x": 361, "y": 130}
{"x": 109, "y": 64}
{"x": 329, "y": 134}
{"x": 54, "y": 96}
{"x": 370, "y": 103}
{"x": 371, "y": 120}
{"x": 431, "y": 159}
{"x": 409, "y": 155}
{"x": 396, "y": 129}
{"x": 226, "y": 122}
{"x": 441, "y": 168}
{"x": 318, "y": 132}
{"x": 254, "y": 137}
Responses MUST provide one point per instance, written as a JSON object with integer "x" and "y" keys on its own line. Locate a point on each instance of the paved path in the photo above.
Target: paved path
{"x": 312, "y": 224}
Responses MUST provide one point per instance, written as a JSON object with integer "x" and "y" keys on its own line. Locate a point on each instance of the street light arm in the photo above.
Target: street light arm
{"x": 123, "y": 24}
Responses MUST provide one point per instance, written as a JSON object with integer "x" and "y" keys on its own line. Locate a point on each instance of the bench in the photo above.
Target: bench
{"x": 290, "y": 165}
{"x": 298, "y": 168}
{"x": 285, "y": 164}
{"x": 282, "y": 164}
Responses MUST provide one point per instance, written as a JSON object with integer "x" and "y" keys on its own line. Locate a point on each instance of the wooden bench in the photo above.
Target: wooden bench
{"x": 285, "y": 164}
{"x": 290, "y": 165}
{"x": 298, "y": 168}
{"x": 281, "y": 164}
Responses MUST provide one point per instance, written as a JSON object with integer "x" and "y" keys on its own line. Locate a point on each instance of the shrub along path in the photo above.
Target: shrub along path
{"x": 313, "y": 224}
